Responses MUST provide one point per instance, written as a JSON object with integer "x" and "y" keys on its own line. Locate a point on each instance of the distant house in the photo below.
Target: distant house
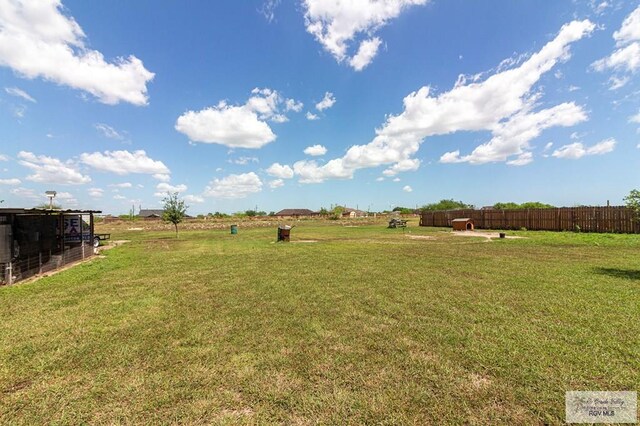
{"x": 350, "y": 213}
{"x": 151, "y": 213}
{"x": 296, "y": 213}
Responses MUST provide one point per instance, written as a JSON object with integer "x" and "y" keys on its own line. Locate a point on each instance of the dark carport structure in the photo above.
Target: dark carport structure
{"x": 36, "y": 241}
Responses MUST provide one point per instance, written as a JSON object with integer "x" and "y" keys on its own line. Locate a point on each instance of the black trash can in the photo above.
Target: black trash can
{"x": 284, "y": 233}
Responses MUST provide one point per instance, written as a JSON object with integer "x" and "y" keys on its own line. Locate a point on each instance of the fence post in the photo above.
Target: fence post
{"x": 40, "y": 263}
{"x": 82, "y": 250}
{"x": 10, "y": 268}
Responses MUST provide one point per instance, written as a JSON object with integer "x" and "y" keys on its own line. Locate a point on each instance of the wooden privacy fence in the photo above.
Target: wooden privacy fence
{"x": 584, "y": 219}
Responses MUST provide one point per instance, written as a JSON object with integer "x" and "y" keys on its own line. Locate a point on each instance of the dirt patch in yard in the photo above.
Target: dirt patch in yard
{"x": 488, "y": 235}
{"x": 420, "y": 237}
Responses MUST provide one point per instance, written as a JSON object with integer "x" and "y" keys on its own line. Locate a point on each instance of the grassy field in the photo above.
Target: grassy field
{"x": 357, "y": 325}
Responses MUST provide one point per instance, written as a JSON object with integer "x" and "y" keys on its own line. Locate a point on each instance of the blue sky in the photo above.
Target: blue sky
{"x": 308, "y": 103}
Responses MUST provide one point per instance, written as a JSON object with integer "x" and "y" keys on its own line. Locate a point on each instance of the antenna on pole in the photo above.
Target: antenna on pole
{"x": 51, "y": 195}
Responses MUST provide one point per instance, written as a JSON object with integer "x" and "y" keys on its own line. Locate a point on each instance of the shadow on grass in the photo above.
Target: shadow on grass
{"x": 629, "y": 274}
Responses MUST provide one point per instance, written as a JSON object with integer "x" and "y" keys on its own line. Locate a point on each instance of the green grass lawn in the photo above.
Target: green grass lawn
{"x": 366, "y": 325}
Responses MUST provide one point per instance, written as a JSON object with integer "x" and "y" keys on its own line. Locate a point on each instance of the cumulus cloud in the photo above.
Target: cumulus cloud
{"x": 121, "y": 185}
{"x": 293, "y": 105}
{"x": 162, "y": 177}
{"x": 193, "y": 199}
{"x": 327, "y": 102}
{"x": 243, "y": 161}
{"x": 234, "y": 186}
{"x": 163, "y": 188}
{"x": 95, "y": 192}
{"x": 276, "y": 183}
{"x": 238, "y": 126}
{"x": 124, "y": 162}
{"x": 407, "y": 188}
{"x": 311, "y": 116}
{"x": 315, "y": 150}
{"x": 4, "y": 157}
{"x": 19, "y": 93}
{"x": 625, "y": 59}
{"x": 577, "y": 150}
{"x": 504, "y": 104}
{"x": 51, "y": 170}
{"x": 367, "y": 51}
{"x": 408, "y": 165}
{"x": 336, "y": 24}
{"x": 109, "y": 132}
{"x": 522, "y": 159}
{"x": 280, "y": 171}
{"x": 12, "y": 182}
{"x": 38, "y": 40}
{"x": 635, "y": 118}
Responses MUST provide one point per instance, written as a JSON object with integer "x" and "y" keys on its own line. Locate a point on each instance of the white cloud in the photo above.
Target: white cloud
{"x": 397, "y": 179}
{"x": 630, "y": 29}
{"x": 635, "y": 118}
{"x": 367, "y": 51}
{"x": 162, "y": 177}
{"x": 11, "y": 182}
{"x": 379, "y": 179}
{"x": 124, "y": 162}
{"x": 243, "y": 161}
{"x": 96, "y": 192}
{"x": 27, "y": 193}
{"x": 109, "y": 132}
{"x": 276, "y": 183}
{"x": 311, "y": 172}
{"x": 335, "y": 24}
{"x": 163, "y": 188}
{"x": 232, "y": 126}
{"x": 66, "y": 198}
{"x": 315, "y": 150}
{"x": 14, "y": 91}
{"x": 39, "y": 40}
{"x": 293, "y": 105}
{"x": 239, "y": 126}
{"x": 51, "y": 170}
{"x": 4, "y": 157}
{"x": 121, "y": 185}
{"x": 408, "y": 165}
{"x": 327, "y": 102}
{"x": 513, "y": 136}
{"x": 268, "y": 9}
{"x": 119, "y": 197}
{"x": 503, "y": 104}
{"x": 578, "y": 150}
{"x": 407, "y": 188}
{"x": 626, "y": 58}
{"x": 522, "y": 159}
{"x": 193, "y": 199}
{"x": 280, "y": 171}
{"x": 234, "y": 186}
{"x": 311, "y": 116}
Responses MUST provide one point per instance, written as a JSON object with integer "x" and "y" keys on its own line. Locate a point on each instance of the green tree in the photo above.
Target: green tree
{"x": 527, "y": 205}
{"x": 175, "y": 210}
{"x": 633, "y": 202}
{"x": 336, "y": 213}
{"x": 403, "y": 210}
{"x": 447, "y": 205}
{"x": 45, "y": 206}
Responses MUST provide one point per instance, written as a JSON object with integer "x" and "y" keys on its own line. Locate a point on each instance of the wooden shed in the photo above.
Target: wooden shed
{"x": 462, "y": 224}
